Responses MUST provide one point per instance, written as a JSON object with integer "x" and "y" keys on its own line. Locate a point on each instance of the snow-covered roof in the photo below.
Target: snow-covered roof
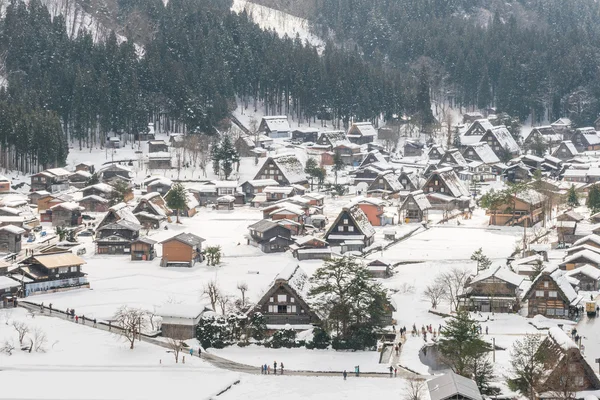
{"x": 483, "y": 151}
{"x": 419, "y": 198}
{"x": 94, "y": 198}
{"x": 484, "y": 123}
{"x": 361, "y": 221}
{"x": 335, "y": 137}
{"x": 587, "y": 254}
{"x": 296, "y": 278}
{"x": 190, "y": 200}
{"x": 587, "y": 270}
{"x": 159, "y": 155}
{"x": 589, "y": 238}
{"x": 160, "y": 181}
{"x": 123, "y": 212}
{"x": 503, "y": 136}
{"x": 501, "y": 273}
{"x": 278, "y": 189}
{"x": 291, "y": 167}
{"x": 561, "y": 338}
{"x": 562, "y": 122}
{"x": 570, "y": 146}
{"x": 262, "y": 182}
{"x": 7, "y": 283}
{"x": 16, "y": 230}
{"x": 455, "y": 155}
{"x": 277, "y": 123}
{"x": 363, "y": 128}
{"x": 58, "y": 171}
{"x": 226, "y": 199}
{"x": 189, "y": 311}
{"x": 84, "y": 174}
{"x": 455, "y": 186}
{"x": 102, "y": 187}
{"x": 450, "y": 385}
{"x": 187, "y": 238}
{"x": 68, "y": 205}
{"x": 561, "y": 280}
{"x": 530, "y": 196}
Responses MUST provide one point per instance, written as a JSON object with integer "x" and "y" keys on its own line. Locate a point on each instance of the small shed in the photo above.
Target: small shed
{"x": 453, "y": 386}
{"x": 184, "y": 249}
{"x": 379, "y": 269}
{"x": 155, "y": 146}
{"x": 143, "y": 249}
{"x": 179, "y": 321}
{"x": 113, "y": 143}
{"x": 225, "y": 202}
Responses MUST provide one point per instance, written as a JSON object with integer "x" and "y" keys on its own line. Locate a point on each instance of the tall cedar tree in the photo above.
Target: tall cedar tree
{"x": 338, "y": 164}
{"x": 593, "y": 201}
{"x": 572, "y": 198}
{"x": 227, "y": 156}
{"x": 461, "y": 344}
{"x": 309, "y": 169}
{"x": 527, "y": 361}
{"x": 344, "y": 292}
{"x": 177, "y": 198}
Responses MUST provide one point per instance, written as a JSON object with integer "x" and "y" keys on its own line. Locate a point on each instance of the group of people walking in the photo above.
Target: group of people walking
{"x": 71, "y": 314}
{"x": 266, "y": 369}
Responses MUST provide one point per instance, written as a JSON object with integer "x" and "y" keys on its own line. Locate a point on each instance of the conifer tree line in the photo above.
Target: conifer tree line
{"x": 199, "y": 59}
{"x": 530, "y": 57}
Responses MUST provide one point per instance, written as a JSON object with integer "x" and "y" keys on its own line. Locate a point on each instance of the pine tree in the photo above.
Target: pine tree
{"x": 177, "y": 198}
{"x": 483, "y": 262}
{"x": 119, "y": 192}
{"x": 461, "y": 343}
{"x": 338, "y": 165}
{"x": 593, "y": 200}
{"x": 423, "y": 100}
{"x": 309, "y": 169}
{"x": 527, "y": 362}
{"x": 227, "y": 156}
{"x": 572, "y": 198}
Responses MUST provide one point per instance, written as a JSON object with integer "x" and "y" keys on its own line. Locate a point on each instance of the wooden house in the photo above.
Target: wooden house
{"x": 151, "y": 210}
{"x": 479, "y": 127}
{"x": 436, "y": 152}
{"x": 592, "y": 240}
{"x": 52, "y": 180}
{"x": 470, "y": 117}
{"x": 161, "y": 185}
{"x": 116, "y": 237}
{"x": 526, "y": 208}
{"x": 157, "y": 146}
{"x": 495, "y": 289}
{"x": 480, "y": 151}
{"x": 10, "y": 238}
{"x": 415, "y": 207}
{"x": 351, "y": 225}
{"x": 225, "y": 203}
{"x": 113, "y": 170}
{"x": 570, "y": 216}
{"x": 551, "y": 295}
{"x": 565, "y": 368}
{"x": 287, "y": 211}
{"x": 373, "y": 208}
{"x": 367, "y": 174}
{"x": 518, "y": 172}
{"x": 52, "y": 272}
{"x": 35, "y": 196}
{"x": 379, "y": 269}
{"x": 184, "y": 249}
{"x": 445, "y": 190}
{"x": 413, "y": 149}
{"x": 310, "y": 248}
{"x": 285, "y": 302}
{"x": 142, "y": 249}
{"x": 274, "y": 193}
{"x": 275, "y": 126}
{"x": 100, "y": 189}
{"x": 116, "y": 213}
{"x": 361, "y": 133}
{"x": 386, "y": 185}
{"x": 159, "y": 160}
{"x": 66, "y": 214}
{"x": 79, "y": 179}
{"x": 253, "y": 187}
{"x": 409, "y": 181}
{"x": 451, "y": 386}
{"x": 314, "y": 199}
{"x": 585, "y": 139}
{"x": 113, "y": 143}
{"x": 86, "y": 166}
{"x": 9, "y": 290}
{"x": 453, "y": 158}
{"x": 180, "y": 321}
{"x": 269, "y": 236}
{"x": 94, "y": 204}
{"x": 372, "y": 157}
{"x": 587, "y": 275}
{"x": 286, "y": 170}
{"x": 501, "y": 142}
{"x": 562, "y": 125}
{"x": 330, "y": 139}
{"x": 566, "y": 150}
{"x": 305, "y": 135}
{"x": 545, "y": 133}
{"x": 349, "y": 152}
{"x": 581, "y": 258}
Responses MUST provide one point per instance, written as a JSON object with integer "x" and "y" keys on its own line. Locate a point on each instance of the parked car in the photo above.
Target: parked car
{"x": 87, "y": 217}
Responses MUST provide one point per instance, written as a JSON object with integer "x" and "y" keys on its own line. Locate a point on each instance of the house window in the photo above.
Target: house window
{"x": 470, "y": 152}
{"x": 271, "y": 300}
{"x": 431, "y": 189}
{"x": 404, "y": 181}
{"x": 73, "y": 269}
{"x": 539, "y": 293}
{"x": 281, "y": 309}
{"x": 340, "y": 229}
{"x": 572, "y": 367}
{"x": 292, "y": 300}
{"x": 271, "y": 309}
{"x": 350, "y": 229}
{"x": 497, "y": 147}
{"x": 552, "y": 293}
{"x": 546, "y": 284}
{"x": 442, "y": 190}
{"x": 436, "y": 183}
{"x": 63, "y": 270}
{"x": 345, "y": 222}
{"x": 579, "y": 380}
{"x": 281, "y": 298}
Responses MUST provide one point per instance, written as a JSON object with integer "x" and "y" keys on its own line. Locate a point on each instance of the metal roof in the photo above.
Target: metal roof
{"x": 58, "y": 259}
{"x": 451, "y": 384}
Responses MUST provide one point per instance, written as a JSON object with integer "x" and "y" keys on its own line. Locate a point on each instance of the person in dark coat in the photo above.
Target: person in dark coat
{"x": 344, "y": 374}
{"x": 275, "y": 367}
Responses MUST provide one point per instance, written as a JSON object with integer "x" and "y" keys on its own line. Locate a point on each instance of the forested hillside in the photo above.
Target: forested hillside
{"x": 199, "y": 57}
{"x": 526, "y": 56}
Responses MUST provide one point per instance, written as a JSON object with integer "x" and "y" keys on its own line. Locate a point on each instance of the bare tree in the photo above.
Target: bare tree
{"x": 22, "y": 330}
{"x": 414, "y": 389}
{"x": 5, "y": 315}
{"x": 132, "y": 320}
{"x": 7, "y": 347}
{"x": 175, "y": 346}
{"x": 454, "y": 283}
{"x": 152, "y": 318}
{"x": 38, "y": 341}
{"x": 223, "y": 303}
{"x": 435, "y": 292}
{"x": 243, "y": 288}
{"x": 211, "y": 289}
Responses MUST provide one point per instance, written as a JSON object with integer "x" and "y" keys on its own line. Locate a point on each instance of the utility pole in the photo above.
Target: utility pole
{"x": 524, "y": 236}
{"x": 493, "y": 349}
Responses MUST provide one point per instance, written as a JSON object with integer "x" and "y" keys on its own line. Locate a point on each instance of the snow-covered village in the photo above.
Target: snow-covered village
{"x": 259, "y": 205}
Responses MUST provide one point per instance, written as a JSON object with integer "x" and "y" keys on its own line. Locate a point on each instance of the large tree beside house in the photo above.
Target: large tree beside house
{"x": 351, "y": 304}
{"x": 177, "y": 198}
